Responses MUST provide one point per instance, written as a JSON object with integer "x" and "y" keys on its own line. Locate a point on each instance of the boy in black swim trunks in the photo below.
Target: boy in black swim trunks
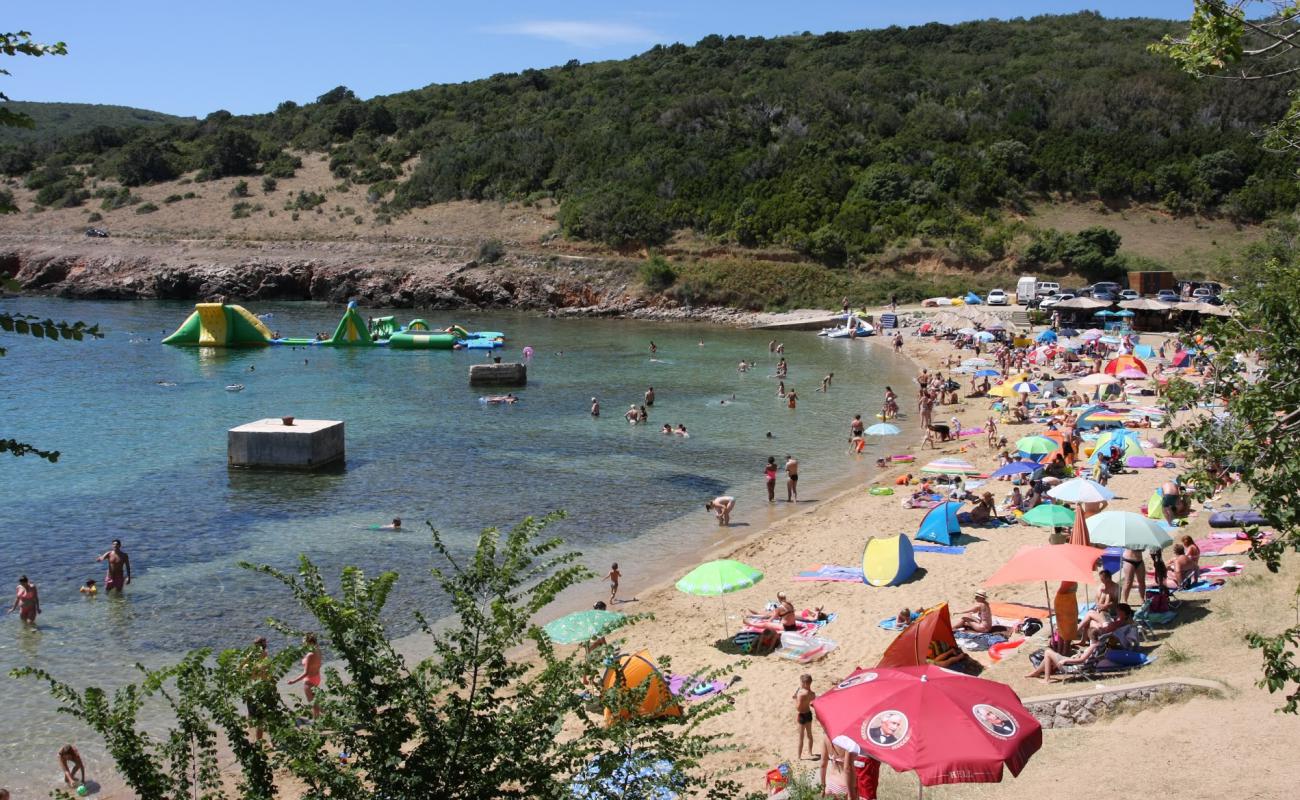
{"x": 803, "y": 698}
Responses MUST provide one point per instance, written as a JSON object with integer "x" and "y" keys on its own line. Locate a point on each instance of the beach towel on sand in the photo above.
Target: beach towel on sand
{"x": 830, "y": 573}
{"x": 946, "y": 549}
{"x": 977, "y": 642}
{"x": 891, "y": 623}
{"x": 687, "y": 688}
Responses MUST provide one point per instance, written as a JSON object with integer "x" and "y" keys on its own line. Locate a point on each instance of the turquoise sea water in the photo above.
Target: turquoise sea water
{"x": 142, "y": 430}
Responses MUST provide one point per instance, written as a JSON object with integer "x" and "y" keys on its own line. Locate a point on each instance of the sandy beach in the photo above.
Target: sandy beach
{"x": 1160, "y": 744}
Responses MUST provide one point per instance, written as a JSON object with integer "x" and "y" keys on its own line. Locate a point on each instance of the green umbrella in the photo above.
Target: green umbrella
{"x": 583, "y": 626}
{"x": 716, "y": 578}
{"x": 1127, "y": 529}
{"x": 1036, "y": 445}
{"x": 1050, "y": 516}
{"x": 719, "y": 577}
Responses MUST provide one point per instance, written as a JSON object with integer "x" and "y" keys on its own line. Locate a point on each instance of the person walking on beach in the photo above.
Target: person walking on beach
{"x": 310, "y": 677}
{"x": 650, "y": 396}
{"x": 722, "y": 506}
{"x": 898, "y": 343}
{"x": 769, "y": 474}
{"x": 613, "y": 577}
{"x": 791, "y": 479}
{"x": 27, "y": 601}
{"x": 119, "y": 567}
{"x": 803, "y": 697}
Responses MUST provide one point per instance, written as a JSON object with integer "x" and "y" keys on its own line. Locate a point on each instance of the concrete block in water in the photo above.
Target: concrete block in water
{"x": 271, "y": 444}
{"x": 498, "y": 375}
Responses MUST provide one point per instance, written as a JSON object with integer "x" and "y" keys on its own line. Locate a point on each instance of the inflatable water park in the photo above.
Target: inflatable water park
{"x": 222, "y": 325}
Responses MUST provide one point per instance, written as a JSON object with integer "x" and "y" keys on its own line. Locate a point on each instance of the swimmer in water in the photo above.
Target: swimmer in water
{"x": 595, "y": 407}
{"x": 780, "y": 389}
{"x": 395, "y": 525}
{"x": 89, "y": 589}
{"x": 681, "y": 430}
{"x": 668, "y": 429}
{"x": 653, "y": 348}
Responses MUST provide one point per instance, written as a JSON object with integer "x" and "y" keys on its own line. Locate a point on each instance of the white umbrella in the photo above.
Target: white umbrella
{"x": 1081, "y": 490}
{"x": 1098, "y": 379}
{"x": 1127, "y": 529}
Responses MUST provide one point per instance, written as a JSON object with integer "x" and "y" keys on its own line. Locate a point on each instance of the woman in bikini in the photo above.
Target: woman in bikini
{"x": 1134, "y": 574}
{"x": 310, "y": 677}
{"x": 27, "y": 601}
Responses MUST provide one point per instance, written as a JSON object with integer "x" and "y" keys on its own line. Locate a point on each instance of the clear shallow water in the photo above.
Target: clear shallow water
{"x": 142, "y": 430}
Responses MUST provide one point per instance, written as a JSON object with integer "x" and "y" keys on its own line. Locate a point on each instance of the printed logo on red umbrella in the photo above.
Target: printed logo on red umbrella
{"x": 994, "y": 720}
{"x": 888, "y": 729}
{"x": 856, "y": 680}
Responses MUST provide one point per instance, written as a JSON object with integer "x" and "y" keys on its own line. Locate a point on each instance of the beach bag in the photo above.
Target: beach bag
{"x": 1029, "y": 626}
{"x": 1036, "y": 657}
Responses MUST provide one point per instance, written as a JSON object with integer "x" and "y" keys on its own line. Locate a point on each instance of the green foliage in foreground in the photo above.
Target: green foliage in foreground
{"x": 1259, "y": 436}
{"x": 470, "y": 721}
{"x": 842, "y": 146}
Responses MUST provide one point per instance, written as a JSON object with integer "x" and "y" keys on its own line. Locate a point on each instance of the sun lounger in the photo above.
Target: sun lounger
{"x": 804, "y": 649}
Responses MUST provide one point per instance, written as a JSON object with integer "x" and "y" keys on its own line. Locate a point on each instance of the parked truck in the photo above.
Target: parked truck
{"x": 1026, "y": 290}
{"x": 1150, "y": 283}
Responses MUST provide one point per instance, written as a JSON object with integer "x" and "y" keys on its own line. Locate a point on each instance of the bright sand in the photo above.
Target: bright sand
{"x": 1233, "y": 746}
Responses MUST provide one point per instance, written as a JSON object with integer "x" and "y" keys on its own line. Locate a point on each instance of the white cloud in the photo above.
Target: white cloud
{"x": 580, "y": 34}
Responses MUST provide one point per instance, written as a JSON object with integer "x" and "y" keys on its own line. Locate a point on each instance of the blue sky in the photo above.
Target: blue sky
{"x": 187, "y": 57}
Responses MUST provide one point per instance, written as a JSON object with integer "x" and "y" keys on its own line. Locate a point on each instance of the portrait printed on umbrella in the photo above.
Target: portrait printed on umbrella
{"x": 887, "y": 729}
{"x": 994, "y": 720}
{"x": 855, "y": 680}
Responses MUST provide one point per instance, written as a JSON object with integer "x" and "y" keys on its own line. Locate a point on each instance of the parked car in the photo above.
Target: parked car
{"x": 97, "y": 233}
{"x": 1202, "y": 293}
{"x": 1129, "y": 294}
{"x": 997, "y": 297}
{"x": 1048, "y": 302}
{"x": 1167, "y": 296}
{"x": 1213, "y": 300}
{"x": 1048, "y": 288}
{"x": 1106, "y": 287}
{"x": 1105, "y": 295}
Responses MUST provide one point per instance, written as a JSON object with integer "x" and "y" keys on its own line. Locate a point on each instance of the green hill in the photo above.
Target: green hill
{"x": 844, "y": 146}
{"x": 59, "y": 120}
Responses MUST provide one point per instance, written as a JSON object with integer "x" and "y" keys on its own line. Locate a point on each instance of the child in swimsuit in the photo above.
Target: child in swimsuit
{"x": 310, "y": 677}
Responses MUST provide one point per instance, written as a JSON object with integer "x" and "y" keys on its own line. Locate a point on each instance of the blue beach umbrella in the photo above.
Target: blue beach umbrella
{"x": 987, "y": 373}
{"x": 1046, "y": 336}
{"x": 1103, "y": 313}
{"x": 883, "y": 429}
{"x": 1124, "y": 313}
{"x": 1015, "y": 468}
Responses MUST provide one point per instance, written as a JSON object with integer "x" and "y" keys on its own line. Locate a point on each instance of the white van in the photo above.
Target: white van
{"x": 1026, "y": 290}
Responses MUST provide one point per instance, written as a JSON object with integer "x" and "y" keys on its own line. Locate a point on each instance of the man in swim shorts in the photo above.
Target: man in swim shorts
{"x": 650, "y": 396}
{"x": 803, "y": 697}
{"x": 792, "y": 479}
{"x": 119, "y": 567}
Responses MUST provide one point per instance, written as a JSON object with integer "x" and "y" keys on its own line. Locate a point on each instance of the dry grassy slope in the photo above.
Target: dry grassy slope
{"x": 1186, "y": 244}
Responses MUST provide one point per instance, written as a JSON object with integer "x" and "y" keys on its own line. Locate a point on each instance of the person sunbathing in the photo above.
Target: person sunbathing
{"x": 1179, "y": 568}
{"x": 780, "y": 618}
{"x": 1193, "y": 553}
{"x": 903, "y": 619}
{"x": 978, "y": 618}
{"x": 984, "y": 510}
{"x": 1099, "y": 623}
{"x": 1054, "y": 662}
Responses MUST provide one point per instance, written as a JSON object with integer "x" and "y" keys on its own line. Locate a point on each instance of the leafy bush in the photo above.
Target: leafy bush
{"x": 232, "y": 152}
{"x": 144, "y": 161}
{"x": 95, "y": 216}
{"x": 120, "y": 198}
{"x": 146, "y": 208}
{"x": 240, "y": 189}
{"x": 490, "y": 251}
{"x": 268, "y": 184}
{"x": 241, "y": 210}
{"x": 305, "y": 201}
{"x": 172, "y": 198}
{"x": 657, "y": 274}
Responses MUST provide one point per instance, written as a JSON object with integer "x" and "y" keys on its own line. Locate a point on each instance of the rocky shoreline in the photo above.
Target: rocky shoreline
{"x": 397, "y": 276}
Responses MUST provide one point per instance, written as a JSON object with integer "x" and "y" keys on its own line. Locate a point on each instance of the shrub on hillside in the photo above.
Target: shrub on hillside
{"x": 146, "y": 208}
{"x": 142, "y": 162}
{"x": 240, "y": 189}
{"x": 620, "y": 216}
{"x": 657, "y": 274}
{"x": 241, "y": 210}
{"x": 268, "y": 184}
{"x": 490, "y": 251}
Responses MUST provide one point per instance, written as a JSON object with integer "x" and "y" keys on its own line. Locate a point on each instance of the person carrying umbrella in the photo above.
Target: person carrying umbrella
{"x": 859, "y": 774}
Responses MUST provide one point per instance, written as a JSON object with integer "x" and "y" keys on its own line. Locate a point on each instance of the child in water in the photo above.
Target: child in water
{"x": 90, "y": 589}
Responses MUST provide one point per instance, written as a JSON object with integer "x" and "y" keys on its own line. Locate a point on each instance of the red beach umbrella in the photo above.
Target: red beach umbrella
{"x": 945, "y": 726}
{"x": 1126, "y": 362}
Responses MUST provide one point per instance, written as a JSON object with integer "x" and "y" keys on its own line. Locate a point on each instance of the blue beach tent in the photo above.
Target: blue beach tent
{"x": 940, "y": 524}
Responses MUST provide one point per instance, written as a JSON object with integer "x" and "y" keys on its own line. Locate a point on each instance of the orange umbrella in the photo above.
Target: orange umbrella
{"x": 1066, "y": 601}
{"x": 1053, "y": 562}
{"x": 1079, "y": 533}
{"x": 1126, "y": 362}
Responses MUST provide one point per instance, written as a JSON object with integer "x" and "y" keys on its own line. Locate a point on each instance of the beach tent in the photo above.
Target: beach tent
{"x": 928, "y": 638}
{"x": 1144, "y": 351}
{"x": 1155, "y": 505}
{"x": 887, "y": 561}
{"x": 632, "y": 672}
{"x": 973, "y": 299}
{"x": 1129, "y": 443}
{"x": 940, "y": 524}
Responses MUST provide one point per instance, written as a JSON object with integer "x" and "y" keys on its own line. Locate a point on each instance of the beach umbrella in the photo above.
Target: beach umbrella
{"x": 985, "y": 336}
{"x": 1098, "y": 379}
{"x": 987, "y": 373}
{"x": 1131, "y": 373}
{"x": 1092, "y": 334}
{"x": 1053, "y": 562}
{"x": 1046, "y": 336}
{"x": 1069, "y": 332}
{"x": 1181, "y": 359}
{"x": 1048, "y": 515}
{"x": 1015, "y": 468}
{"x": 1124, "y": 313}
{"x": 976, "y": 362}
{"x": 716, "y": 578}
{"x": 1025, "y": 387}
{"x": 1127, "y": 529}
{"x": 950, "y": 466}
{"x": 883, "y": 429}
{"x": 1080, "y": 490}
{"x": 1103, "y": 313}
{"x": 1125, "y": 362}
{"x": 967, "y": 331}
{"x": 945, "y": 726}
{"x": 995, "y": 326}
{"x": 583, "y": 626}
{"x": 1036, "y": 445}
{"x": 1004, "y": 389}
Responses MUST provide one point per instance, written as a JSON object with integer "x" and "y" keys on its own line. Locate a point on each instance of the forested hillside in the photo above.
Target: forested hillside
{"x": 840, "y": 146}
{"x": 60, "y": 120}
